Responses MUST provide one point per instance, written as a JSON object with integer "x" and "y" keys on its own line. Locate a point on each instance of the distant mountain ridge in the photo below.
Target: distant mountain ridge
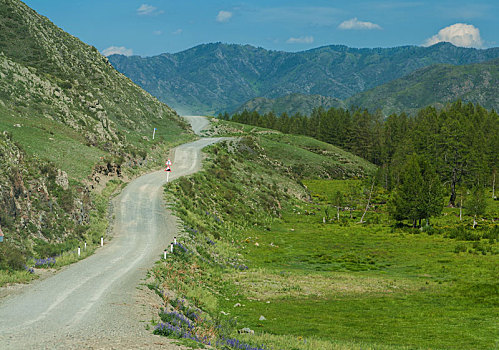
{"x": 210, "y": 78}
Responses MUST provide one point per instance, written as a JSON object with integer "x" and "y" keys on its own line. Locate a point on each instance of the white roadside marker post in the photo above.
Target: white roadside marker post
{"x": 171, "y": 247}
{"x": 164, "y": 254}
{"x": 102, "y": 241}
{"x": 153, "y": 133}
{"x": 85, "y": 246}
{"x": 174, "y": 240}
{"x": 78, "y": 251}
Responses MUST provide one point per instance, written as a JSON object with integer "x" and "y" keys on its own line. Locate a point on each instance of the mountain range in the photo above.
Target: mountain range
{"x": 218, "y": 77}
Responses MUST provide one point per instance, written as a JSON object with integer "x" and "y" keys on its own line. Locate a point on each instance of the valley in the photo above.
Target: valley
{"x": 343, "y": 198}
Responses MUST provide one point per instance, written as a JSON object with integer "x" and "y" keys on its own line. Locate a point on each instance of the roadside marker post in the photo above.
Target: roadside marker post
{"x": 85, "y": 246}
{"x": 164, "y": 254}
{"x": 102, "y": 241}
{"x": 174, "y": 240}
{"x": 78, "y": 251}
{"x": 171, "y": 247}
{"x": 153, "y": 133}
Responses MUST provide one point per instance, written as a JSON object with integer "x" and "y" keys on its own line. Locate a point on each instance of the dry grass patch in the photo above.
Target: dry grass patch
{"x": 263, "y": 284}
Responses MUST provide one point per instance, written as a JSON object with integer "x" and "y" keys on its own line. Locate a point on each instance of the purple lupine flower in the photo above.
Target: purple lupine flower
{"x": 45, "y": 262}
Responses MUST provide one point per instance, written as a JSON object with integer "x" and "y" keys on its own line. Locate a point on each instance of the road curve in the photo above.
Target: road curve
{"x": 198, "y": 123}
{"x": 94, "y": 303}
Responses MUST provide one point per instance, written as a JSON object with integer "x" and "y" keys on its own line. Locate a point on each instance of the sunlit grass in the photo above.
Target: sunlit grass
{"x": 11, "y": 277}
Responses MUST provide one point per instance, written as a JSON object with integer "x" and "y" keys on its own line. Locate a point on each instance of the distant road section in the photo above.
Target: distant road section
{"x": 96, "y": 302}
{"x": 198, "y": 123}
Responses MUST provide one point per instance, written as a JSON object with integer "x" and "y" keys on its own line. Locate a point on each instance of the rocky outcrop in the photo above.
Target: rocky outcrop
{"x": 35, "y": 198}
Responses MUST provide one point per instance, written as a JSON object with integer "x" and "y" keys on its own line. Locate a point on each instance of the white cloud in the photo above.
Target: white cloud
{"x": 177, "y": 32}
{"x": 459, "y": 34}
{"x": 119, "y": 50}
{"x": 224, "y": 16}
{"x": 301, "y": 40}
{"x": 146, "y": 10}
{"x": 354, "y": 23}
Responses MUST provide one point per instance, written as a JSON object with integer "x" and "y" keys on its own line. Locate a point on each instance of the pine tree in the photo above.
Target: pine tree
{"x": 430, "y": 202}
{"x": 405, "y": 200}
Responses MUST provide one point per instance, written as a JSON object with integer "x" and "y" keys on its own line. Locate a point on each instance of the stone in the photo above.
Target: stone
{"x": 62, "y": 179}
{"x": 262, "y": 318}
{"x": 247, "y": 330}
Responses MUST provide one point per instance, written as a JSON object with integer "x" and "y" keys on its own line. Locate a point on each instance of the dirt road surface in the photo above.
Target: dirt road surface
{"x": 98, "y": 303}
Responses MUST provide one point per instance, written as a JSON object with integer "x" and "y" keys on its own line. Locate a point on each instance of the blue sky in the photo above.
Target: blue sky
{"x": 151, "y": 27}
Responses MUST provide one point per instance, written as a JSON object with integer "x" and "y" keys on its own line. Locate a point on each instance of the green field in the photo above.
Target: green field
{"x": 366, "y": 283}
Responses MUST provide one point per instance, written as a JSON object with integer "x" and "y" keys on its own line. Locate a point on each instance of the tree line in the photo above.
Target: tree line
{"x": 441, "y": 151}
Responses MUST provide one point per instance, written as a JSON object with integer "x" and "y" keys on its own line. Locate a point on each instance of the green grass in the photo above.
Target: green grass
{"x": 50, "y": 140}
{"x": 385, "y": 286}
{"x": 302, "y": 156}
{"x": 10, "y": 277}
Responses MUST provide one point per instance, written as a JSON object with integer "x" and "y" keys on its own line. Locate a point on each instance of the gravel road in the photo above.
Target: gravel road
{"x": 98, "y": 303}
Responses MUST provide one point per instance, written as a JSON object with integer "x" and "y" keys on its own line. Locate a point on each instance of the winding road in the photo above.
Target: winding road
{"x": 97, "y": 303}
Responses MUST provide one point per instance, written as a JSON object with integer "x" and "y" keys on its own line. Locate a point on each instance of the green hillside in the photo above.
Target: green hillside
{"x": 436, "y": 86}
{"x": 290, "y": 104}
{"x": 212, "y": 78}
{"x": 72, "y": 128}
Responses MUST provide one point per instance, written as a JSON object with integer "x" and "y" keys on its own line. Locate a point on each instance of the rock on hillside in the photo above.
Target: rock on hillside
{"x": 36, "y": 202}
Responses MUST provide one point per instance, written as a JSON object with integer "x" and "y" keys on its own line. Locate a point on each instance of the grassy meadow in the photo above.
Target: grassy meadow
{"x": 264, "y": 251}
{"x": 367, "y": 283}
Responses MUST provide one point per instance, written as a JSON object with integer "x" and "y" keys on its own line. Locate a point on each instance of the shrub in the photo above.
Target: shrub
{"x": 461, "y": 247}
{"x": 11, "y": 257}
{"x": 461, "y": 233}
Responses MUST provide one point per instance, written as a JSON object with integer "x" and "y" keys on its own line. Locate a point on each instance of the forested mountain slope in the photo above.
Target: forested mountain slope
{"x": 435, "y": 85}
{"x": 219, "y": 77}
{"x": 290, "y": 104}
